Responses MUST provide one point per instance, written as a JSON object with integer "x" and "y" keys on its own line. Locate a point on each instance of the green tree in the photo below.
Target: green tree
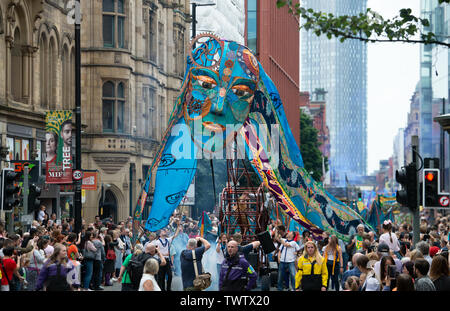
{"x": 367, "y": 27}
{"x": 309, "y": 147}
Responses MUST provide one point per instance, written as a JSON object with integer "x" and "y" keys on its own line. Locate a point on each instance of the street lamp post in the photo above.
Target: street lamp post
{"x": 77, "y": 183}
{"x": 194, "y": 16}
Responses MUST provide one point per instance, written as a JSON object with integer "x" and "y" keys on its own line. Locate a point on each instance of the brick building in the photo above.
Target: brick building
{"x": 273, "y": 35}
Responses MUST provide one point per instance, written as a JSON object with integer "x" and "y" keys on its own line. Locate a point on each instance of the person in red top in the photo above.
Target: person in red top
{"x": 9, "y": 267}
{"x": 72, "y": 249}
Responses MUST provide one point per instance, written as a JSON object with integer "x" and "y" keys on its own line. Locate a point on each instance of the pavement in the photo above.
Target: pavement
{"x": 117, "y": 287}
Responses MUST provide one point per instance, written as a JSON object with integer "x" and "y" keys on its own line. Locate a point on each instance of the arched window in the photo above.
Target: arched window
{"x": 51, "y": 82}
{"x": 65, "y": 91}
{"x": 120, "y": 107}
{"x": 2, "y": 30}
{"x": 16, "y": 67}
{"x": 43, "y": 57}
{"x": 113, "y": 23}
{"x": 113, "y": 107}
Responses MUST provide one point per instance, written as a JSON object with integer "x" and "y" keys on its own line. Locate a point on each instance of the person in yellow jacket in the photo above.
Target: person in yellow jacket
{"x": 312, "y": 273}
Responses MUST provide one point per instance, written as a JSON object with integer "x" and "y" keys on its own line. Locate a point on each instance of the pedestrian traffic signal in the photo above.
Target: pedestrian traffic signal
{"x": 10, "y": 189}
{"x": 33, "y": 198}
{"x": 407, "y": 178}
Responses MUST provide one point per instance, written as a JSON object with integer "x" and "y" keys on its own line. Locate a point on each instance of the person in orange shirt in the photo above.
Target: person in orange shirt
{"x": 72, "y": 249}
{"x": 75, "y": 257}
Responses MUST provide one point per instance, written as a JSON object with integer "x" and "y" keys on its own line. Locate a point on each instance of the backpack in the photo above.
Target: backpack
{"x": 57, "y": 282}
{"x": 111, "y": 254}
{"x": 135, "y": 268}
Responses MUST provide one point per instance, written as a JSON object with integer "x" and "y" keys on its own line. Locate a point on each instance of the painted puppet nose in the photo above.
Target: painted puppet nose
{"x": 217, "y": 106}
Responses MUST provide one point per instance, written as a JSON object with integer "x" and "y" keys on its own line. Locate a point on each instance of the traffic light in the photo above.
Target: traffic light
{"x": 33, "y": 198}
{"x": 431, "y": 193}
{"x": 10, "y": 189}
{"x": 359, "y": 196}
{"x": 407, "y": 178}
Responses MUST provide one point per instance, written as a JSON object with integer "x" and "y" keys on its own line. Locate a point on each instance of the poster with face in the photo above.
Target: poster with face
{"x": 10, "y": 145}
{"x": 58, "y": 144}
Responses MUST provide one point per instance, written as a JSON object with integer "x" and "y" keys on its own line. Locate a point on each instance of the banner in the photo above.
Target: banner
{"x": 89, "y": 181}
{"x": 58, "y": 146}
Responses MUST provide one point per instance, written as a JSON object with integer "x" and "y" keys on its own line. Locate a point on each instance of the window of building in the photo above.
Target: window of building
{"x": 148, "y": 113}
{"x": 178, "y": 53}
{"x": 113, "y": 107}
{"x": 252, "y": 25}
{"x": 16, "y": 67}
{"x": 113, "y": 23}
{"x": 43, "y": 71}
{"x": 161, "y": 46}
{"x": 162, "y": 119}
{"x": 18, "y": 149}
{"x": 152, "y": 24}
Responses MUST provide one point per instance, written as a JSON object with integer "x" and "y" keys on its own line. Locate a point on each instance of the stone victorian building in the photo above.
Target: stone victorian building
{"x": 133, "y": 60}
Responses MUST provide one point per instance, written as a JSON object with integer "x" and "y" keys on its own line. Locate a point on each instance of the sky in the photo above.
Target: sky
{"x": 393, "y": 72}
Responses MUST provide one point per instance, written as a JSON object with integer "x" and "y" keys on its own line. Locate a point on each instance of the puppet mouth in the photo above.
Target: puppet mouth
{"x": 213, "y": 127}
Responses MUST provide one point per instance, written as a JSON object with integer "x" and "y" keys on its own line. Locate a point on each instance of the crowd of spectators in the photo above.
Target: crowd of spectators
{"x": 384, "y": 261}
{"x": 51, "y": 256}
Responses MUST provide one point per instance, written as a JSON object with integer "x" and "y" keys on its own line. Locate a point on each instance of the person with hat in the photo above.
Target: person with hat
{"x": 382, "y": 251}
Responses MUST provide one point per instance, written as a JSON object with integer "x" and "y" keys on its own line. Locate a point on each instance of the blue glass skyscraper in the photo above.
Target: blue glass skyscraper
{"x": 341, "y": 70}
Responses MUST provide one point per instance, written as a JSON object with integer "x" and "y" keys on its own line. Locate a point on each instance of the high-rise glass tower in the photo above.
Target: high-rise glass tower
{"x": 341, "y": 70}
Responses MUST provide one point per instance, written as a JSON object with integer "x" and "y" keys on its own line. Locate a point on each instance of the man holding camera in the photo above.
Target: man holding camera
{"x": 198, "y": 245}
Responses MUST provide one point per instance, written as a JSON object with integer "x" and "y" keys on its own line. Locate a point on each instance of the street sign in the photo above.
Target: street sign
{"x": 444, "y": 201}
{"x": 77, "y": 174}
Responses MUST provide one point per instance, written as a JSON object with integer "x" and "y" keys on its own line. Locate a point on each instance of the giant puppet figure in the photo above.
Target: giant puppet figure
{"x": 226, "y": 97}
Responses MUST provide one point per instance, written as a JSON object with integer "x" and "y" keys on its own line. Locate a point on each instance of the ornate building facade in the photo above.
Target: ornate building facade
{"x": 133, "y": 58}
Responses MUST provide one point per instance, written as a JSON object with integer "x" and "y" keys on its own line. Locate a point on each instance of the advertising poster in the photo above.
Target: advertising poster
{"x": 10, "y": 145}
{"x": 89, "y": 181}
{"x": 58, "y": 144}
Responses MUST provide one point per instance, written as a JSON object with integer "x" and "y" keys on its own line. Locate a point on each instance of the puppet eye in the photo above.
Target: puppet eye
{"x": 241, "y": 90}
{"x": 206, "y": 82}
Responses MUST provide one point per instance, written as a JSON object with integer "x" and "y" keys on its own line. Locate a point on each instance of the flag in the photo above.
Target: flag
{"x": 58, "y": 139}
{"x": 206, "y": 224}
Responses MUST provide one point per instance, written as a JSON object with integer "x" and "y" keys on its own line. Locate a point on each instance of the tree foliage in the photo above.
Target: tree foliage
{"x": 368, "y": 26}
{"x": 309, "y": 146}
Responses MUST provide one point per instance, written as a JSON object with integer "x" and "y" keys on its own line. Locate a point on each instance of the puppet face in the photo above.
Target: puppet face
{"x": 220, "y": 95}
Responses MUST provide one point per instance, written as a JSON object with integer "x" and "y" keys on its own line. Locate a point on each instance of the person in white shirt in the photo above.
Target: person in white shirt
{"x": 163, "y": 243}
{"x": 389, "y": 238}
{"x": 221, "y": 250}
{"x": 148, "y": 282}
{"x": 286, "y": 259}
{"x": 332, "y": 253}
{"x": 41, "y": 213}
